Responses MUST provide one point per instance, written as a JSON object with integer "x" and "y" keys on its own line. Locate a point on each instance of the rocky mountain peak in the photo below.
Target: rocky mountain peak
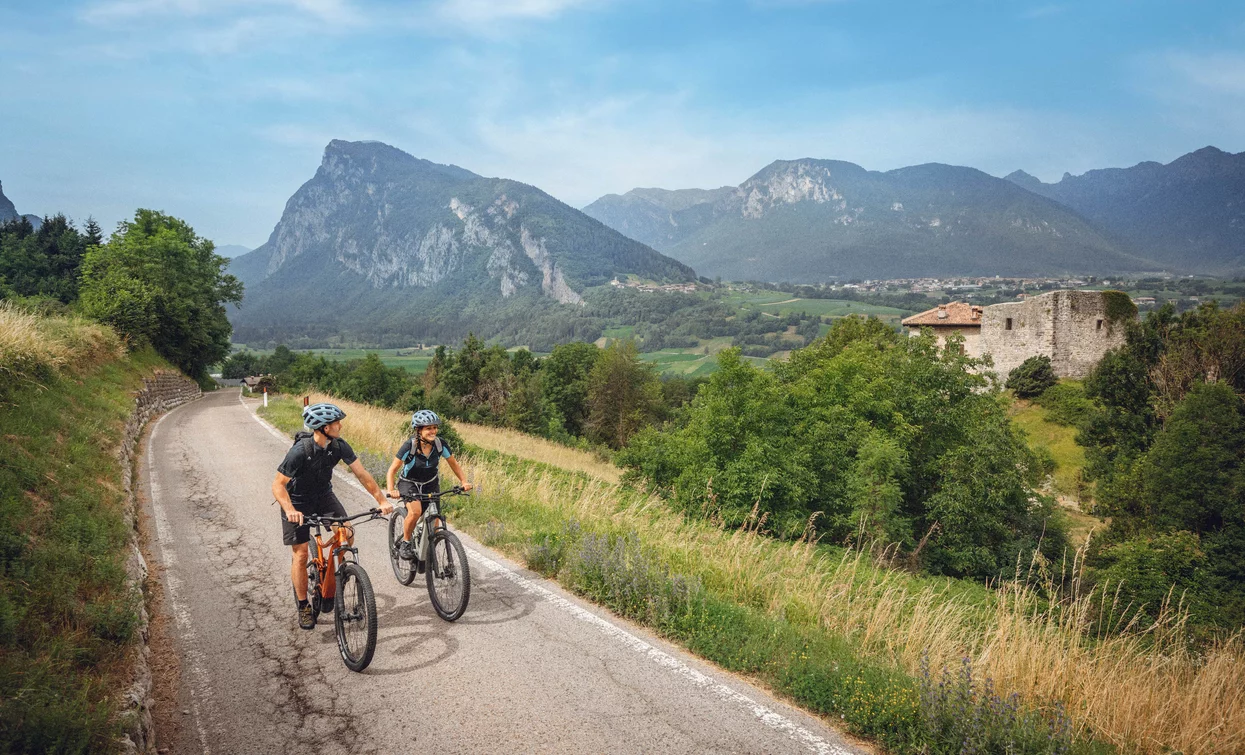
{"x": 788, "y": 182}
{"x": 7, "y": 210}
{"x": 1020, "y": 178}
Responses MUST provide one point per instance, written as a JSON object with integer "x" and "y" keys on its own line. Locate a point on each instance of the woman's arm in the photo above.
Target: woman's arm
{"x": 393, "y": 473}
{"x": 459, "y": 472}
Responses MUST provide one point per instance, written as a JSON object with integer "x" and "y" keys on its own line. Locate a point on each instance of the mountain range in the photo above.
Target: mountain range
{"x": 381, "y": 242}
{"x": 9, "y": 212}
{"x": 822, "y": 219}
{"x": 1188, "y": 215}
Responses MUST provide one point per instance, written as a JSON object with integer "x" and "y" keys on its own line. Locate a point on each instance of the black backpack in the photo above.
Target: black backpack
{"x": 408, "y": 462}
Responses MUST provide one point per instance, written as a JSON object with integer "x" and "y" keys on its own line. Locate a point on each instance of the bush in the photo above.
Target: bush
{"x": 1065, "y": 404}
{"x": 1032, "y": 377}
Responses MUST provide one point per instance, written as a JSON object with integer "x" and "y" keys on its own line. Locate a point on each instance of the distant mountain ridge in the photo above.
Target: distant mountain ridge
{"x": 7, "y": 209}
{"x": 411, "y": 247}
{"x": 814, "y": 219}
{"x": 9, "y": 212}
{"x": 1188, "y": 214}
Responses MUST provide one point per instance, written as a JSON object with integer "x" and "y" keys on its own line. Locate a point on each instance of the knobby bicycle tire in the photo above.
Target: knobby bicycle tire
{"x": 363, "y": 610}
{"x": 313, "y": 583}
{"x": 403, "y": 570}
{"x": 448, "y": 569}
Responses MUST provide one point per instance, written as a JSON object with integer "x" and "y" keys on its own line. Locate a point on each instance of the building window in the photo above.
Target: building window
{"x": 1009, "y": 324}
{"x": 1099, "y": 325}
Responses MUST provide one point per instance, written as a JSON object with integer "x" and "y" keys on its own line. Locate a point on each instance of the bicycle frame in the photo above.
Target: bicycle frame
{"x": 335, "y": 550}
{"x": 431, "y": 517}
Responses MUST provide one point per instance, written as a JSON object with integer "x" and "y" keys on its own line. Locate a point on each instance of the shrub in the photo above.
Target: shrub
{"x": 1032, "y": 377}
{"x": 1065, "y": 404}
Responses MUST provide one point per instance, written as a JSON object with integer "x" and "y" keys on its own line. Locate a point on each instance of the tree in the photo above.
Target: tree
{"x": 623, "y": 395}
{"x": 159, "y": 283}
{"x": 42, "y": 263}
{"x": 565, "y": 376}
{"x": 867, "y": 435}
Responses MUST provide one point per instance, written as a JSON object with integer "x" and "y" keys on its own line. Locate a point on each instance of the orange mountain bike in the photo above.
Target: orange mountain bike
{"x": 337, "y": 582}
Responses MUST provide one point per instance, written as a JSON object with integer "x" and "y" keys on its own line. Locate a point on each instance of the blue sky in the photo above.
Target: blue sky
{"x": 217, "y": 110}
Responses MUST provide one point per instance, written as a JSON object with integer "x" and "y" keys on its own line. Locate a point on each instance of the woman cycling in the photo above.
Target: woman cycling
{"x": 418, "y": 461}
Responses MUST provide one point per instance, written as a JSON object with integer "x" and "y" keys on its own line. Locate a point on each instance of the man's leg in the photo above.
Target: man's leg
{"x": 298, "y": 570}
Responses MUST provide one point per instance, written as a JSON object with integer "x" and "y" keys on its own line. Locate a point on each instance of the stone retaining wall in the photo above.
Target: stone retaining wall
{"x": 159, "y": 393}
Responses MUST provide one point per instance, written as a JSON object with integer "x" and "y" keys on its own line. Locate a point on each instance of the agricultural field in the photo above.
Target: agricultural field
{"x": 414, "y": 360}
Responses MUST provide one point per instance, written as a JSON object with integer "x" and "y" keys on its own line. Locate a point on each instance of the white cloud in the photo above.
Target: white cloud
{"x": 1042, "y": 11}
{"x": 487, "y": 11}
{"x": 109, "y": 11}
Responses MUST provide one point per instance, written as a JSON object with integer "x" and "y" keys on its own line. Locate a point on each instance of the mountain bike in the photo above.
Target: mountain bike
{"x": 337, "y": 582}
{"x": 438, "y": 555}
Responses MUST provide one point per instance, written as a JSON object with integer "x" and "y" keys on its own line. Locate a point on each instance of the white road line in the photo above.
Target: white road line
{"x": 773, "y": 720}
{"x": 180, "y": 614}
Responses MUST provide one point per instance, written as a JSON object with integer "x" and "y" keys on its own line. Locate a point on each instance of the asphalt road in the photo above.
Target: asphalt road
{"x": 528, "y": 669}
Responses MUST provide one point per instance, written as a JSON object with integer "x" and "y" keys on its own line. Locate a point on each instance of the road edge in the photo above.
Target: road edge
{"x": 163, "y": 391}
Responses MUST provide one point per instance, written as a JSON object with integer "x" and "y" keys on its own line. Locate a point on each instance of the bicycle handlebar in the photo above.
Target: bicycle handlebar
{"x": 316, "y": 519}
{"x": 456, "y": 490}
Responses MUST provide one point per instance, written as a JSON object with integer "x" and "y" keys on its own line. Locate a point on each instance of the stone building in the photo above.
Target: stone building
{"x": 1073, "y": 328}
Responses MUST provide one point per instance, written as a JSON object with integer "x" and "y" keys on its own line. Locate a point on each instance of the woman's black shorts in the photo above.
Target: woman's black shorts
{"x": 293, "y": 534}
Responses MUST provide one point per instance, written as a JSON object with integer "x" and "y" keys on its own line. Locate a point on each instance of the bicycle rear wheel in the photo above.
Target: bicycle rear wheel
{"x": 355, "y": 617}
{"x": 403, "y": 570}
{"x": 448, "y": 575}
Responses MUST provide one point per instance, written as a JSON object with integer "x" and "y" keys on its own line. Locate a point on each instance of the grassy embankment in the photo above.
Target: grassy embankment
{"x": 67, "y": 616}
{"x": 1073, "y": 493}
{"x": 827, "y": 628}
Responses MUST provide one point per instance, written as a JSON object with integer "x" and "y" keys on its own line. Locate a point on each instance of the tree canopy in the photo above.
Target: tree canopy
{"x": 159, "y": 283}
{"x": 863, "y": 436}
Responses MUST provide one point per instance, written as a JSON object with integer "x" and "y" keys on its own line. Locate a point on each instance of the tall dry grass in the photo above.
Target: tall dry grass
{"x": 1142, "y": 692}
{"x": 386, "y": 429}
{"x": 34, "y": 346}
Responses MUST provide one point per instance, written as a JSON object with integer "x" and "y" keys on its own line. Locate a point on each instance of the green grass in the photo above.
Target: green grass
{"x": 1059, "y": 440}
{"x": 831, "y": 308}
{"x": 1068, "y": 485}
{"x": 67, "y": 616}
{"x": 414, "y": 361}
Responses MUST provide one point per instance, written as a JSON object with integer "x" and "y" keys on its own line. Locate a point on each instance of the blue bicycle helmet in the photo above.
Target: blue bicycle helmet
{"x": 317, "y": 416}
{"x": 423, "y": 418}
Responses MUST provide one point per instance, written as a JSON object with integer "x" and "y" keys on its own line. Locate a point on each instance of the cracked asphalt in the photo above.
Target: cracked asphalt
{"x": 528, "y": 668}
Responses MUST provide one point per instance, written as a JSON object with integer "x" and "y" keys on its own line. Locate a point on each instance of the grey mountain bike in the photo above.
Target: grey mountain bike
{"x": 439, "y": 555}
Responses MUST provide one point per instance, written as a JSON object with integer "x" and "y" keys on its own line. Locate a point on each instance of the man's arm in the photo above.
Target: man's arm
{"x": 283, "y": 499}
{"x": 365, "y": 477}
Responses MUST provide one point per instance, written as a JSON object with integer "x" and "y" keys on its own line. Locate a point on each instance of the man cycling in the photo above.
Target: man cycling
{"x": 304, "y": 485}
{"x": 419, "y": 460}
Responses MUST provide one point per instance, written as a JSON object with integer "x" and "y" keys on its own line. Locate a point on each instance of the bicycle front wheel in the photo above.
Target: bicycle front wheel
{"x": 355, "y": 617}
{"x": 403, "y": 570}
{"x": 448, "y": 575}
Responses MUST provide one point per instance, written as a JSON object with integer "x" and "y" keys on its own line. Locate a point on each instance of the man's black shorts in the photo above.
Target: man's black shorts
{"x": 293, "y": 534}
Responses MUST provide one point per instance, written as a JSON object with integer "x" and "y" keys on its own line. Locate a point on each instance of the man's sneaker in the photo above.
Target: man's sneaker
{"x": 306, "y": 616}
{"x": 406, "y": 551}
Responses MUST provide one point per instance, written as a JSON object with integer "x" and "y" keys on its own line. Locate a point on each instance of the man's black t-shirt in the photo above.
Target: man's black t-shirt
{"x": 312, "y": 478}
